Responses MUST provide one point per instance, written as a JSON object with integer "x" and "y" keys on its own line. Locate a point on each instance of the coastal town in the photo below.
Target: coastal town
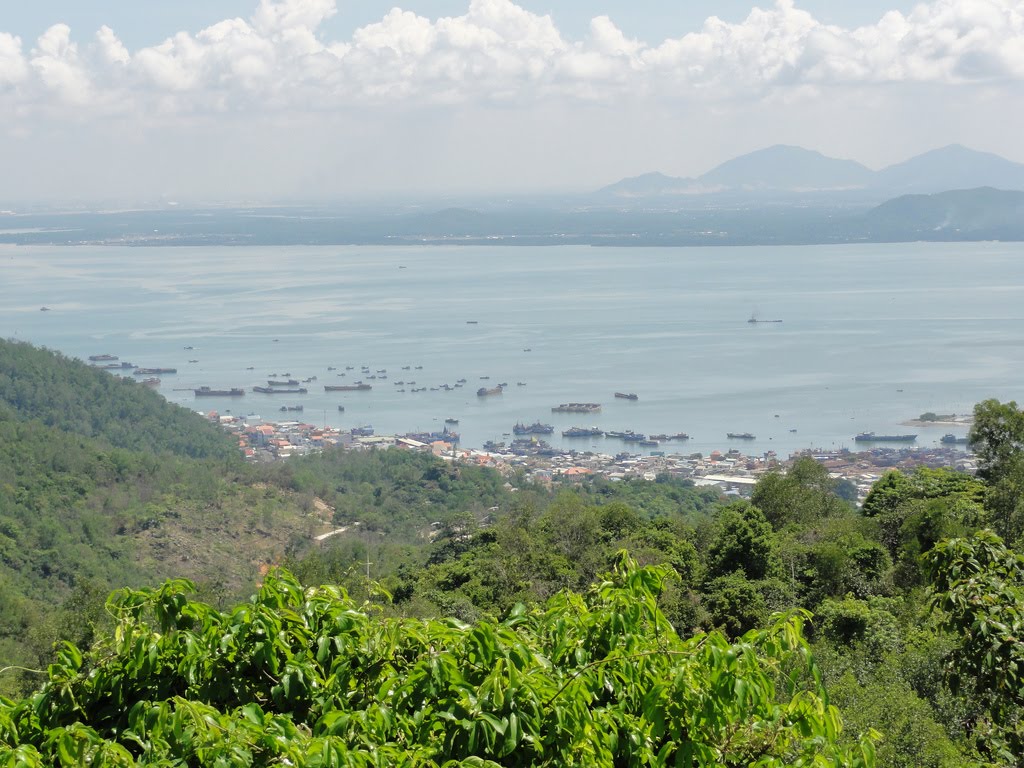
{"x": 733, "y": 471}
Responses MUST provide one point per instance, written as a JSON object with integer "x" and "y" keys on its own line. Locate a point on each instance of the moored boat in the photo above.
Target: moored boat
{"x": 280, "y": 390}
{"x": 582, "y": 432}
{"x": 347, "y": 387}
{"x": 208, "y": 392}
{"x": 533, "y": 429}
{"x": 576, "y": 408}
{"x": 871, "y": 437}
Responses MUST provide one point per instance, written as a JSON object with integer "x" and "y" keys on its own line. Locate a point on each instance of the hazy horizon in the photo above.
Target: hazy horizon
{"x": 264, "y": 101}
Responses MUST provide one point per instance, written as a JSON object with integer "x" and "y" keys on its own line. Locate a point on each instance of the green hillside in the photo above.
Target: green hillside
{"x": 66, "y": 394}
{"x": 104, "y": 484}
{"x": 474, "y": 618}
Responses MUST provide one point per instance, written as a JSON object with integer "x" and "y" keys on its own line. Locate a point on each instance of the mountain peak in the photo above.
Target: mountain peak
{"x": 787, "y": 167}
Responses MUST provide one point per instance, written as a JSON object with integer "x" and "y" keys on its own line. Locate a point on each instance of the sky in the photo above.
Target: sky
{"x": 227, "y": 101}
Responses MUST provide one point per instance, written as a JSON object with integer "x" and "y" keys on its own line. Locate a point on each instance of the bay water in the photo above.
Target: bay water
{"x": 871, "y": 335}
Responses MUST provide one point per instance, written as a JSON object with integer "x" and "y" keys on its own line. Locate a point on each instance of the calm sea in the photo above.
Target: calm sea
{"x": 872, "y": 335}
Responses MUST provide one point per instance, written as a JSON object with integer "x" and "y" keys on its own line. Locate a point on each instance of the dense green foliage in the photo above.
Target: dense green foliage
{"x": 47, "y": 387}
{"x": 911, "y": 606}
{"x": 100, "y": 488}
{"x": 308, "y": 678}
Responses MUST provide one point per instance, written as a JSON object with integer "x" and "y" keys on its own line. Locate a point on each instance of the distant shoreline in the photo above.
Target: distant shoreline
{"x": 966, "y": 421}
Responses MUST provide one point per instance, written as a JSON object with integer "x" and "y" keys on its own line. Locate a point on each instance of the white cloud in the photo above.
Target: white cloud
{"x": 13, "y": 67}
{"x": 499, "y": 52}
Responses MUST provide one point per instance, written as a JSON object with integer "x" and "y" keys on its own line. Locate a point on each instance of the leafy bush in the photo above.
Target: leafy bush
{"x": 307, "y": 677}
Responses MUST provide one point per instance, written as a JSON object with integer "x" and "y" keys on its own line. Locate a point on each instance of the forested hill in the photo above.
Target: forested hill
{"x": 36, "y": 384}
{"x": 103, "y": 484}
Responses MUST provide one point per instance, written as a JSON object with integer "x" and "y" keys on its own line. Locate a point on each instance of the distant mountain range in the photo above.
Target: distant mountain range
{"x": 797, "y": 171}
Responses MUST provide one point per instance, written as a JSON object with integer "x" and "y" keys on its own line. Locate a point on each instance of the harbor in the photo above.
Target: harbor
{"x": 681, "y": 343}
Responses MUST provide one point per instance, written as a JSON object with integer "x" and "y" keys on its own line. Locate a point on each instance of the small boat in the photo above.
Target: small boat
{"x": 44, "y": 309}
{"x": 451, "y": 421}
{"x": 341, "y": 408}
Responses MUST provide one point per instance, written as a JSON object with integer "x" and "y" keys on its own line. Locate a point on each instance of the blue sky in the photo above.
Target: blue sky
{"x": 260, "y": 100}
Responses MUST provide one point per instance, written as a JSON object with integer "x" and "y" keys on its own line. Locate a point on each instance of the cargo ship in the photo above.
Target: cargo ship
{"x": 626, "y": 396}
{"x": 951, "y": 439}
{"x": 740, "y": 436}
{"x": 288, "y": 383}
{"x": 347, "y": 387}
{"x": 102, "y": 358}
{"x": 484, "y": 391}
{"x": 577, "y": 408}
{"x": 207, "y": 392}
{"x": 153, "y": 371}
{"x": 532, "y": 429}
{"x": 150, "y": 382}
{"x": 582, "y": 432}
{"x": 290, "y": 408}
{"x": 280, "y": 391}
{"x": 871, "y": 437}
